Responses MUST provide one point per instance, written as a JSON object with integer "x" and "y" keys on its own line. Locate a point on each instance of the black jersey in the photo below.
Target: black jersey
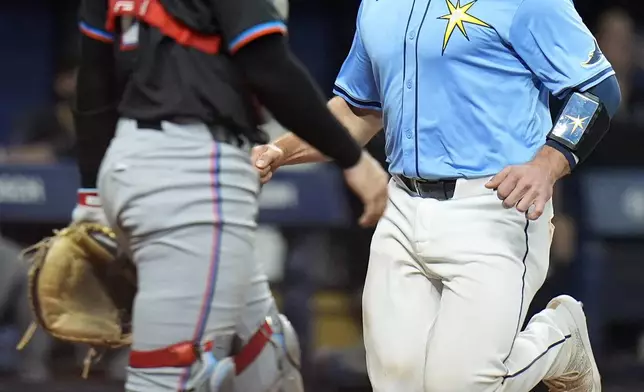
{"x": 194, "y": 63}
{"x": 123, "y": 38}
{"x": 179, "y": 80}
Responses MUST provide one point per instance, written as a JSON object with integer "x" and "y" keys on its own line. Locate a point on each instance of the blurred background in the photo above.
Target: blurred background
{"x": 314, "y": 254}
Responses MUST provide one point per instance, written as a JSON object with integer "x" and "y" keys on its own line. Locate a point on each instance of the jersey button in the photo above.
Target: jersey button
{"x": 412, "y": 35}
{"x": 409, "y": 84}
{"x": 408, "y": 134}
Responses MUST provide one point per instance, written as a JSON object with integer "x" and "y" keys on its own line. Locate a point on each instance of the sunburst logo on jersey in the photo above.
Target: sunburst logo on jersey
{"x": 594, "y": 56}
{"x": 458, "y": 16}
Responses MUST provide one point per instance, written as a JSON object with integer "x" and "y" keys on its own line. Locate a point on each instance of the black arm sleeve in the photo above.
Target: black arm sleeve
{"x": 283, "y": 85}
{"x": 95, "y": 116}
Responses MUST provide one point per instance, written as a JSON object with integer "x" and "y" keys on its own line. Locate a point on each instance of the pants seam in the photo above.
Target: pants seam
{"x": 553, "y": 345}
{"x": 525, "y": 270}
{"x": 202, "y": 321}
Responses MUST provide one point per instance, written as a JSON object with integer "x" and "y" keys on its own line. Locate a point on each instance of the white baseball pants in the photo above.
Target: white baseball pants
{"x": 447, "y": 290}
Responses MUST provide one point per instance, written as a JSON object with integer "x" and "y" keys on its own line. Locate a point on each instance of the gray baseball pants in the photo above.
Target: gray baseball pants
{"x": 185, "y": 207}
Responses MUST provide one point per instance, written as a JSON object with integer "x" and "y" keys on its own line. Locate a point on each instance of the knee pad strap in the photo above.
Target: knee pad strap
{"x": 290, "y": 342}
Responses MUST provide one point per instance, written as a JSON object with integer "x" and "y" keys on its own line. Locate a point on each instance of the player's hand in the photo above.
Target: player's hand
{"x": 524, "y": 186}
{"x": 89, "y": 208}
{"x": 266, "y": 158}
{"x": 369, "y": 181}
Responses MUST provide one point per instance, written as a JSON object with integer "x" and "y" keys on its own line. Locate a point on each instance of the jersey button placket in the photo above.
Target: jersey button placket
{"x": 409, "y": 97}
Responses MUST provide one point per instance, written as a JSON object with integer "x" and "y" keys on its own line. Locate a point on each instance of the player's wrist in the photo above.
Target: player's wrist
{"x": 351, "y": 157}
{"x": 89, "y": 197}
{"x": 296, "y": 150}
{"x": 362, "y": 161}
{"x": 287, "y": 145}
{"x": 554, "y": 160}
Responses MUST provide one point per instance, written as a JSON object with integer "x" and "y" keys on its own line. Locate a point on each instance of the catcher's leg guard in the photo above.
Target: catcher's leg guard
{"x": 268, "y": 362}
{"x": 212, "y": 368}
{"x": 291, "y": 358}
{"x": 277, "y": 367}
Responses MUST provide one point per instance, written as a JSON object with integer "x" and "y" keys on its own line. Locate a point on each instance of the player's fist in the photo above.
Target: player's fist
{"x": 266, "y": 159}
{"x": 369, "y": 181}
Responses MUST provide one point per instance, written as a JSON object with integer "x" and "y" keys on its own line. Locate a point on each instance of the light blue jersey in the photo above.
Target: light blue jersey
{"x": 464, "y": 86}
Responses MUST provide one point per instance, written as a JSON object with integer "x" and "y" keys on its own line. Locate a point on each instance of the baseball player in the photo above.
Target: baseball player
{"x": 177, "y": 185}
{"x": 462, "y": 91}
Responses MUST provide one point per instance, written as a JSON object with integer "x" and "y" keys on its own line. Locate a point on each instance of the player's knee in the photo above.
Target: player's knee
{"x": 444, "y": 379}
{"x": 277, "y": 365}
{"x": 394, "y": 367}
{"x": 453, "y": 374}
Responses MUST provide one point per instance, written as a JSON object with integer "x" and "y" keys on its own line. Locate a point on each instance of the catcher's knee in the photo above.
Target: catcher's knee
{"x": 268, "y": 361}
{"x": 214, "y": 375}
{"x": 277, "y": 367}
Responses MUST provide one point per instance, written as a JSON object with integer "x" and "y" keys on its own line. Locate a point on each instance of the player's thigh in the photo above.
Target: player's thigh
{"x": 259, "y": 304}
{"x": 186, "y": 207}
{"x": 258, "y": 301}
{"x": 400, "y": 304}
{"x": 490, "y": 282}
{"x": 189, "y": 278}
{"x": 192, "y": 286}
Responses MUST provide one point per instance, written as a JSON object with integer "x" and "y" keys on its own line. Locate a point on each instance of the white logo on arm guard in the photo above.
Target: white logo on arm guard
{"x": 125, "y": 6}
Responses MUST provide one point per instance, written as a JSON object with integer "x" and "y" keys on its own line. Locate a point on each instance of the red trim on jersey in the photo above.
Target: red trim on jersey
{"x": 153, "y": 13}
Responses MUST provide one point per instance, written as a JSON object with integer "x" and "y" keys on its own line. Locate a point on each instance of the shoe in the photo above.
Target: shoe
{"x": 578, "y": 372}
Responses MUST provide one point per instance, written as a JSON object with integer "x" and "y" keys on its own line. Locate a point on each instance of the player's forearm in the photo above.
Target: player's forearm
{"x": 286, "y": 89}
{"x": 297, "y": 151}
{"x": 363, "y": 125}
{"x": 95, "y": 112}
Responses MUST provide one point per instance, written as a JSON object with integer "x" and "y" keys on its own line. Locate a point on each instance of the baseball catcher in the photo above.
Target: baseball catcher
{"x": 166, "y": 161}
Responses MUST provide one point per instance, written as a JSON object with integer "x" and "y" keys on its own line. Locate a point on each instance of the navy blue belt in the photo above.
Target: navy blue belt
{"x": 428, "y": 189}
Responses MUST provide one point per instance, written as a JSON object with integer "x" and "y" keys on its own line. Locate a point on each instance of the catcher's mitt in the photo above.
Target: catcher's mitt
{"x": 81, "y": 288}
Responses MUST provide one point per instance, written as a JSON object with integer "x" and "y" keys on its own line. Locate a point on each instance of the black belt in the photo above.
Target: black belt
{"x": 428, "y": 189}
{"x": 218, "y": 132}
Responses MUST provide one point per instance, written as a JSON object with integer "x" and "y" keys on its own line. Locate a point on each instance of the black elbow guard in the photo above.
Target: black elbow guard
{"x": 581, "y": 124}
{"x": 94, "y": 132}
